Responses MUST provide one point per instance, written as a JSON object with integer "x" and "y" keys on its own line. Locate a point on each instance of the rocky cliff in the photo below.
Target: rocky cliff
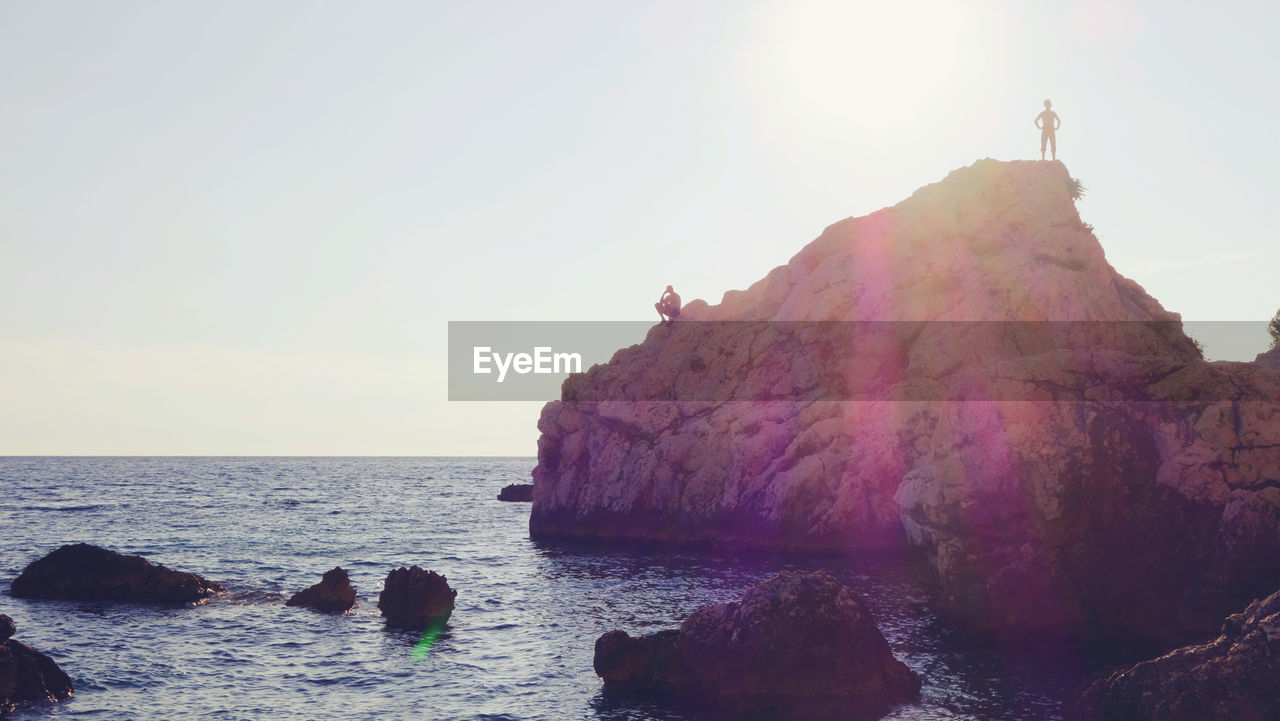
{"x": 963, "y": 372}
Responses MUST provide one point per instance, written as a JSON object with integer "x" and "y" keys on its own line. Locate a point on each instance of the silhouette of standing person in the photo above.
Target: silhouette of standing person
{"x": 1048, "y": 123}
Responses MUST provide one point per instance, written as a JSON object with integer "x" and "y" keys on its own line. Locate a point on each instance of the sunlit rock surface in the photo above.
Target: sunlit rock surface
{"x": 1003, "y": 399}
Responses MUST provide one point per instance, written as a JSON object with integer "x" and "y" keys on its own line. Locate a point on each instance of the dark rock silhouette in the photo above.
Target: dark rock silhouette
{"x": 518, "y": 492}
{"x": 333, "y": 594}
{"x": 414, "y": 598}
{"x": 798, "y": 644}
{"x": 1011, "y": 404}
{"x": 1236, "y": 676}
{"x": 26, "y": 674}
{"x": 82, "y": 572}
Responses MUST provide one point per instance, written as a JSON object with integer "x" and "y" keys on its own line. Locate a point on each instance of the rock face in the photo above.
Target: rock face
{"x": 333, "y": 594}
{"x": 1236, "y": 676}
{"x": 414, "y": 598}
{"x": 82, "y": 572}
{"x": 26, "y": 674}
{"x": 516, "y": 492}
{"x": 798, "y": 644}
{"x": 963, "y": 372}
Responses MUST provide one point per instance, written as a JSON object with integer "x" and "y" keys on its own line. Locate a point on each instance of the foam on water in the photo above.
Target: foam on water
{"x": 519, "y": 643}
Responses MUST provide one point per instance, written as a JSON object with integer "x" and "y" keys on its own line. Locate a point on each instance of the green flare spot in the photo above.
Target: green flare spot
{"x": 423, "y": 647}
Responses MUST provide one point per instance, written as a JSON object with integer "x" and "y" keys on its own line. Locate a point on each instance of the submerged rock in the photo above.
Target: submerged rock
{"x": 798, "y": 644}
{"x": 516, "y": 492}
{"x": 82, "y": 572}
{"x": 963, "y": 372}
{"x": 415, "y": 598}
{"x": 334, "y": 593}
{"x": 26, "y": 674}
{"x": 1236, "y": 676}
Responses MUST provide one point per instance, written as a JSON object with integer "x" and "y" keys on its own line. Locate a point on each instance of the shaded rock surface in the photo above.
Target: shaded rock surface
{"x": 82, "y": 572}
{"x": 334, "y": 593}
{"x": 1032, "y": 419}
{"x": 1236, "y": 676}
{"x": 798, "y": 644}
{"x": 26, "y": 674}
{"x": 415, "y": 598}
{"x": 516, "y": 492}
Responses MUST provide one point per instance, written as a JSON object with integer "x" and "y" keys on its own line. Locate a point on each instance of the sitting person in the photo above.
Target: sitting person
{"x": 668, "y": 306}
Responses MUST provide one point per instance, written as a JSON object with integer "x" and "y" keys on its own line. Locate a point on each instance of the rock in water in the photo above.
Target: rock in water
{"x": 798, "y": 644}
{"x": 26, "y": 674}
{"x": 334, "y": 593}
{"x": 414, "y": 598}
{"x": 993, "y": 392}
{"x": 519, "y": 492}
{"x": 1236, "y": 677}
{"x": 82, "y": 572}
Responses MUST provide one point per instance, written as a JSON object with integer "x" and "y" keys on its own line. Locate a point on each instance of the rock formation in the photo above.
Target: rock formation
{"x": 82, "y": 572}
{"x": 963, "y": 372}
{"x": 415, "y": 599}
{"x": 798, "y": 644}
{"x": 516, "y": 492}
{"x": 333, "y": 594}
{"x": 26, "y": 674}
{"x": 1236, "y": 676}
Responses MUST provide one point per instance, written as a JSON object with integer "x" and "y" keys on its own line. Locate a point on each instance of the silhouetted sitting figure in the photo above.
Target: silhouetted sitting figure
{"x": 668, "y": 306}
{"x": 1048, "y": 123}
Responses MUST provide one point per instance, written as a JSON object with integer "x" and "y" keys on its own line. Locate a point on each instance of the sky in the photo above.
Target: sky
{"x": 241, "y": 228}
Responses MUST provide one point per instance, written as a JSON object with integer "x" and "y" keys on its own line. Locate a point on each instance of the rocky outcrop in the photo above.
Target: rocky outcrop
{"x": 26, "y": 674}
{"x": 517, "y": 492}
{"x": 334, "y": 593}
{"x": 1236, "y": 676}
{"x": 798, "y": 645}
{"x": 413, "y": 598}
{"x": 963, "y": 372}
{"x": 82, "y": 572}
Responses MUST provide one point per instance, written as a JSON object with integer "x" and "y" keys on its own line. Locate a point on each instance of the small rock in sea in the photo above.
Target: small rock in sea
{"x": 1232, "y": 677}
{"x": 26, "y": 674}
{"x": 798, "y": 645}
{"x": 82, "y": 572}
{"x": 517, "y": 492}
{"x": 334, "y": 593}
{"x": 415, "y": 598}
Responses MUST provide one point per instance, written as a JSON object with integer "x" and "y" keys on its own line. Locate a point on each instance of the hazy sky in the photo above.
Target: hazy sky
{"x": 241, "y": 227}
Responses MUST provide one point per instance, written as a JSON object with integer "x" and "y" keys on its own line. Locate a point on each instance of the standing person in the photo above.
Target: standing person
{"x": 1048, "y": 123}
{"x": 668, "y": 306}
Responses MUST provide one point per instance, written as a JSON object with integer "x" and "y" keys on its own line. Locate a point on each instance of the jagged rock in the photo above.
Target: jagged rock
{"x": 1236, "y": 676}
{"x": 82, "y": 572}
{"x": 333, "y": 594}
{"x": 414, "y": 598}
{"x": 26, "y": 674}
{"x": 516, "y": 492}
{"x": 994, "y": 392}
{"x": 798, "y": 644}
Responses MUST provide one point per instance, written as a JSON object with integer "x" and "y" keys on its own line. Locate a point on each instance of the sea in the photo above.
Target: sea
{"x": 519, "y": 643}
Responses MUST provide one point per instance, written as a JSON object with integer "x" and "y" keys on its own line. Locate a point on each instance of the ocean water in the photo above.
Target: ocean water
{"x": 518, "y": 645}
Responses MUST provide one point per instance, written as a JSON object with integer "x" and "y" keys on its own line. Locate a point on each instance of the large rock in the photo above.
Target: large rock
{"x": 1235, "y": 677}
{"x": 334, "y": 593}
{"x": 82, "y": 572}
{"x": 413, "y": 598}
{"x": 26, "y": 674}
{"x": 798, "y": 644}
{"x": 963, "y": 372}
